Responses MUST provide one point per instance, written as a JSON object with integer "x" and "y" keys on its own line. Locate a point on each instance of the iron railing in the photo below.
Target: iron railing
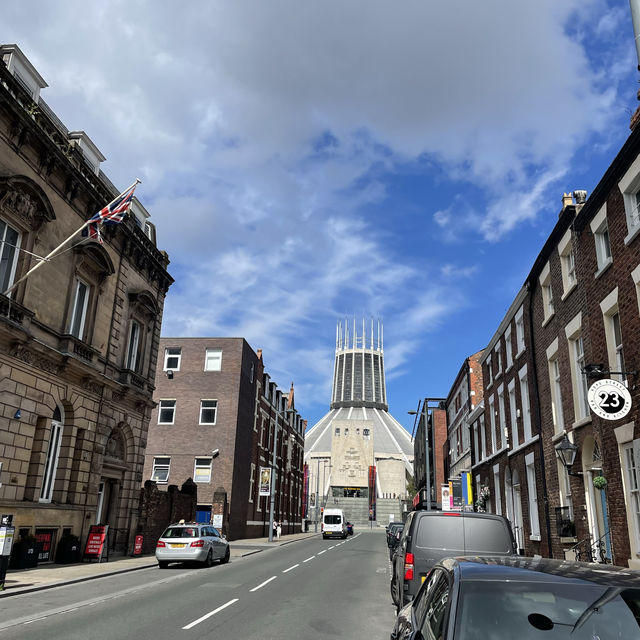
{"x": 590, "y": 550}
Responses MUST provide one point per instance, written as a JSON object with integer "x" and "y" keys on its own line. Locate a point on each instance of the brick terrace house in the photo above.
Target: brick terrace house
{"x": 465, "y": 393}
{"x": 432, "y": 421}
{"x": 215, "y": 423}
{"x": 79, "y": 337}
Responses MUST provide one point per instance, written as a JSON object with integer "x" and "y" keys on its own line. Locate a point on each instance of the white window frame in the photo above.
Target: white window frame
{"x": 513, "y": 409}
{"x": 496, "y": 489}
{"x": 547, "y": 294}
{"x": 79, "y": 309}
{"x": 209, "y": 408}
{"x": 573, "y": 331}
{"x": 629, "y": 186}
{"x": 158, "y": 466}
{"x": 51, "y": 464}
{"x": 600, "y": 229}
{"x": 489, "y": 370}
{"x": 168, "y": 356}
{"x": 615, "y": 351}
{"x": 492, "y": 424}
{"x": 564, "y": 488}
{"x": 498, "y": 353}
{"x": 525, "y": 402}
{"x": 11, "y": 255}
{"x": 252, "y": 481}
{"x": 553, "y": 366}
{"x": 519, "y": 319}
{"x": 200, "y": 463}
{"x": 631, "y": 466}
{"x": 211, "y": 357}
{"x": 502, "y": 417}
{"x": 476, "y": 442}
{"x": 483, "y": 437}
{"x": 534, "y": 517}
{"x": 508, "y": 346}
{"x": 567, "y": 264}
{"x": 166, "y": 408}
{"x": 133, "y": 343}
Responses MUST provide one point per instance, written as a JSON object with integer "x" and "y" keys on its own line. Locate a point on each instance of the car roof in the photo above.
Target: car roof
{"x": 524, "y": 569}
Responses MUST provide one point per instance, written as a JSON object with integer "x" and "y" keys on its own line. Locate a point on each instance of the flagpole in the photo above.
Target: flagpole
{"x": 62, "y": 244}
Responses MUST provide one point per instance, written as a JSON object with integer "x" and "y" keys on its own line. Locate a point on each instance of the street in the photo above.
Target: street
{"x": 311, "y": 588}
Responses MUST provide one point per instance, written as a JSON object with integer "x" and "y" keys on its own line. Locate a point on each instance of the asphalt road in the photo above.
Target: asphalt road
{"x": 312, "y": 588}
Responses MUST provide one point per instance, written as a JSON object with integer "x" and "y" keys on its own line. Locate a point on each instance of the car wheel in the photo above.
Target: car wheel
{"x": 163, "y": 564}
{"x": 226, "y": 556}
{"x": 209, "y": 561}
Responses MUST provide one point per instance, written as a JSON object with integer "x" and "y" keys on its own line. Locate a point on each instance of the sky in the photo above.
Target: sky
{"x": 307, "y": 162}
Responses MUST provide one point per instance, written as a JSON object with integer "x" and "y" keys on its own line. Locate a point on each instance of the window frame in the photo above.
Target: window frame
{"x": 567, "y": 264}
{"x": 206, "y": 359}
{"x": 547, "y": 294}
{"x": 534, "y": 516}
{"x": 508, "y": 345}
{"x": 4, "y": 242}
{"x": 168, "y": 356}
{"x": 51, "y": 462}
{"x": 160, "y": 409}
{"x": 201, "y": 466}
{"x": 525, "y": 403}
{"x": 202, "y": 408}
{"x": 157, "y": 466}
{"x": 134, "y": 362}
{"x": 513, "y": 410}
{"x": 83, "y": 312}
{"x": 520, "y": 343}
{"x": 602, "y": 240}
{"x": 629, "y": 186}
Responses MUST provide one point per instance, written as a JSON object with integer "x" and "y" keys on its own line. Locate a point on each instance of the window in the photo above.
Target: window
{"x": 489, "y": 370}
{"x": 160, "y": 473}
{"x": 53, "y": 453}
{"x": 547, "y": 293}
{"x": 508, "y": 346}
{"x": 630, "y": 188}
{"x": 555, "y": 386}
{"x": 617, "y": 343}
{"x": 476, "y": 443}
{"x": 483, "y": 438}
{"x": 565, "y": 490}
{"x": 533, "y": 497}
{"x": 365, "y": 433}
{"x": 202, "y": 470}
{"x": 172, "y": 357}
{"x": 134, "y": 348}
{"x": 9, "y": 249}
{"x": 496, "y": 488}
{"x": 498, "y": 359}
{"x": 79, "y": 314}
{"x": 167, "y": 412}
{"x": 613, "y": 334}
{"x": 631, "y": 453}
{"x": 252, "y": 481}
{"x": 526, "y": 405}
{"x": 337, "y": 431}
{"x": 503, "y": 419}
{"x": 435, "y": 607}
{"x": 208, "y": 411}
{"x": 600, "y": 229}
{"x": 573, "y": 331}
{"x": 213, "y": 360}
{"x": 567, "y": 263}
{"x": 492, "y": 422}
{"x": 515, "y": 438}
{"x": 520, "y": 331}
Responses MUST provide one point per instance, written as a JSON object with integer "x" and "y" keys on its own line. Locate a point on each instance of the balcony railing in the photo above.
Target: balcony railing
{"x": 590, "y": 550}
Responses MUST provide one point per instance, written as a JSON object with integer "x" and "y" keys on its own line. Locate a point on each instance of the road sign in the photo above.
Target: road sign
{"x": 609, "y": 399}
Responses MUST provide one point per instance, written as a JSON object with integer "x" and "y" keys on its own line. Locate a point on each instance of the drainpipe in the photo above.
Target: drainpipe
{"x": 545, "y": 496}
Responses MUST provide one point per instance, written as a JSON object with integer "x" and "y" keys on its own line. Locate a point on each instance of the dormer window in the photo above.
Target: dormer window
{"x": 23, "y": 71}
{"x": 90, "y": 152}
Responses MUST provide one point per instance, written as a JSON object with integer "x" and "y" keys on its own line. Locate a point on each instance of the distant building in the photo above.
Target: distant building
{"x": 215, "y": 422}
{"x": 78, "y": 337}
{"x": 358, "y": 433}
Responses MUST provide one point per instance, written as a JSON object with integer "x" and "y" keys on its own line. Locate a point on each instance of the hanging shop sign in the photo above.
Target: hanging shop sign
{"x": 609, "y": 399}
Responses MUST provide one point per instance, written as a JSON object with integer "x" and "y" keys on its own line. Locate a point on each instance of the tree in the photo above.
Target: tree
{"x": 411, "y": 487}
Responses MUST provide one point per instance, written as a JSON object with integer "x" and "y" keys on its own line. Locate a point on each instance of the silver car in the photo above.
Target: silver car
{"x": 191, "y": 542}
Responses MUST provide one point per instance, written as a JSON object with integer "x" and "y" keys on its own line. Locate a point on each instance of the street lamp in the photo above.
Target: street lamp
{"x": 273, "y": 470}
{"x": 566, "y": 451}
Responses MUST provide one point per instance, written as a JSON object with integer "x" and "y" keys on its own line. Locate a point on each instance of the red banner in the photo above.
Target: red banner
{"x": 305, "y": 491}
{"x": 95, "y": 540}
{"x": 137, "y": 546}
{"x": 372, "y": 493}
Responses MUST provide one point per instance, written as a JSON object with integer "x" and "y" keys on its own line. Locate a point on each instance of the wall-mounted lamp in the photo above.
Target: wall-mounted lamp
{"x": 170, "y": 374}
{"x": 566, "y": 451}
{"x": 592, "y": 370}
{"x": 215, "y": 453}
{"x": 18, "y": 414}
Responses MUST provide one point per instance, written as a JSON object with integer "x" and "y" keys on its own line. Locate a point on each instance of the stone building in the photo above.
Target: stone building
{"x": 78, "y": 337}
{"x": 217, "y": 417}
{"x": 358, "y": 433}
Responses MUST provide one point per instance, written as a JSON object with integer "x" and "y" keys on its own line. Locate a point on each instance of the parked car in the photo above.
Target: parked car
{"x": 393, "y": 538}
{"x": 429, "y": 536}
{"x": 529, "y": 598}
{"x": 391, "y": 531}
{"x": 333, "y": 524}
{"x": 191, "y": 542}
{"x": 349, "y": 528}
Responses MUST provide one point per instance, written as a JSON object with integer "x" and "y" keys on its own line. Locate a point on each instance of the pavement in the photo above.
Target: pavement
{"x": 51, "y": 575}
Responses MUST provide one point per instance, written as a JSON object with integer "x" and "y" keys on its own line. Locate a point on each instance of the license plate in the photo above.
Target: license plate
{"x": 423, "y": 579}
{"x": 177, "y": 546}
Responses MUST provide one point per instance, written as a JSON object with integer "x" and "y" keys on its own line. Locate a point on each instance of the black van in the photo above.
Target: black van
{"x": 429, "y": 536}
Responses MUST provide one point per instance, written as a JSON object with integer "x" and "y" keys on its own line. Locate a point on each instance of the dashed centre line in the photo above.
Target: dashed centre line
{"x": 321, "y": 552}
{"x": 289, "y": 569}
{"x": 262, "y": 584}
{"x": 307, "y": 560}
{"x": 211, "y": 613}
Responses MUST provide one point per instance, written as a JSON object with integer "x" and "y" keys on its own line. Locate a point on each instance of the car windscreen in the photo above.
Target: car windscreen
{"x": 329, "y": 519}
{"x": 440, "y": 532}
{"x": 546, "y": 610}
{"x": 485, "y": 536}
{"x": 180, "y": 532}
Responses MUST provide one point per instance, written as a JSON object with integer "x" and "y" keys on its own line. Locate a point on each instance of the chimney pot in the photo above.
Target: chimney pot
{"x": 581, "y": 196}
{"x": 567, "y": 199}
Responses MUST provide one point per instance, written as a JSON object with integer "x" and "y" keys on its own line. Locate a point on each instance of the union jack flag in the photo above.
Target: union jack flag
{"x": 113, "y": 213}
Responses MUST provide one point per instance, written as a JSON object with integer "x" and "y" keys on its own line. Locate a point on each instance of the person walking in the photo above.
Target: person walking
{"x": 279, "y": 530}
{"x": 275, "y": 528}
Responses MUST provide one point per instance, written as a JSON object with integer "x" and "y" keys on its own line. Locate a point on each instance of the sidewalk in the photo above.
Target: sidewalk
{"x": 52, "y": 575}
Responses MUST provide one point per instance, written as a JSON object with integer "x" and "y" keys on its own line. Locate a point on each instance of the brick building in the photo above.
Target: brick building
{"x": 215, "y": 423}
{"x": 79, "y": 337}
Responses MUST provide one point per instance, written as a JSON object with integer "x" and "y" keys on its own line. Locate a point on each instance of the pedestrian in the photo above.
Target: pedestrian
{"x": 275, "y": 528}
{"x": 279, "y": 530}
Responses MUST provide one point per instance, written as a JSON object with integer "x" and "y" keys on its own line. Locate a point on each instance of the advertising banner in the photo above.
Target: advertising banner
{"x": 137, "y": 546}
{"x": 445, "y": 493}
{"x": 96, "y": 541}
{"x": 265, "y": 481}
{"x": 44, "y": 538}
{"x": 455, "y": 485}
{"x": 305, "y": 492}
{"x": 372, "y": 493}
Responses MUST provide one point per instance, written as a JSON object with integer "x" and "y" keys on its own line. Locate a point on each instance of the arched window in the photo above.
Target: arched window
{"x": 53, "y": 453}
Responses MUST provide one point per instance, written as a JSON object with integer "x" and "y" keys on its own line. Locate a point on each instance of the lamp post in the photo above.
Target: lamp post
{"x": 566, "y": 451}
{"x": 273, "y": 470}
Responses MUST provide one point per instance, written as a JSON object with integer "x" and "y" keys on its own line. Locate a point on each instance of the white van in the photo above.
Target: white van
{"x": 333, "y": 524}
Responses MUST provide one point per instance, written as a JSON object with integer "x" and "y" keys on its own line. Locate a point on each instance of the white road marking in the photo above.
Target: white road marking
{"x": 211, "y": 613}
{"x": 36, "y": 620}
{"x": 321, "y": 552}
{"x": 307, "y": 560}
{"x": 331, "y": 547}
{"x": 262, "y": 585}
{"x": 289, "y": 569}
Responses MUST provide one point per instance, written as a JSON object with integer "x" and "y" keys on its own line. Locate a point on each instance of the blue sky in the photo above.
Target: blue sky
{"x": 309, "y": 161}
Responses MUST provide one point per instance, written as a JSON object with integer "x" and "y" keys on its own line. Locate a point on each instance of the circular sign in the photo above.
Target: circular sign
{"x": 609, "y": 399}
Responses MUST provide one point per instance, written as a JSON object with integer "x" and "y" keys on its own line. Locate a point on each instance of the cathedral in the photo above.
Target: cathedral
{"x": 358, "y": 449}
